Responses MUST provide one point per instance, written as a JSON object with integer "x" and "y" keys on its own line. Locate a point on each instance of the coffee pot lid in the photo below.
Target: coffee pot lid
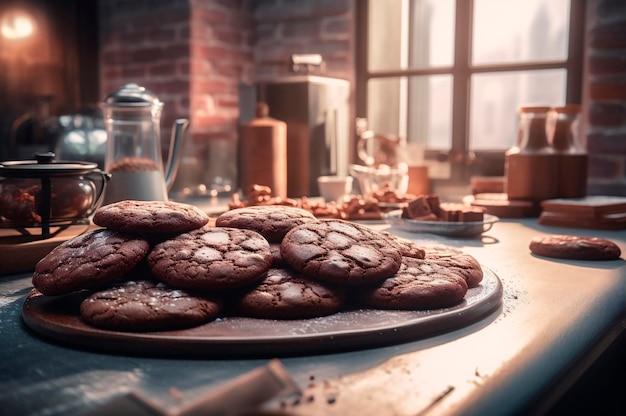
{"x": 132, "y": 95}
{"x": 44, "y": 166}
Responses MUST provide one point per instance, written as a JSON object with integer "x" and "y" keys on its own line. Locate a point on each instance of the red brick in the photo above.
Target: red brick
{"x": 301, "y": 29}
{"x": 228, "y": 35}
{"x": 607, "y": 142}
{"x": 162, "y": 35}
{"x": 210, "y": 16}
{"x": 337, "y": 26}
{"x": 605, "y": 167}
{"x": 608, "y": 89}
{"x": 607, "y": 65}
{"x": 134, "y": 72}
{"x": 213, "y": 87}
{"x": 607, "y": 115}
{"x": 171, "y": 86}
{"x": 611, "y": 9}
{"x": 176, "y": 51}
{"x": 230, "y": 71}
{"x": 167, "y": 69}
{"x": 147, "y": 54}
{"x": 216, "y": 53}
{"x": 611, "y": 36}
{"x": 612, "y": 187}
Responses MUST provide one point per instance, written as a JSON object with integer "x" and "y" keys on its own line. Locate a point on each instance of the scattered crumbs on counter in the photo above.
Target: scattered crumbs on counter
{"x": 512, "y": 295}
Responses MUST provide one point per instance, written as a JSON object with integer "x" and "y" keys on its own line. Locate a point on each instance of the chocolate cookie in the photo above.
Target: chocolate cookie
{"x": 575, "y": 247}
{"x": 408, "y": 248}
{"x": 211, "y": 258}
{"x": 271, "y": 221}
{"x": 287, "y": 294}
{"x": 463, "y": 263}
{"x": 150, "y": 217}
{"x": 340, "y": 252}
{"x": 147, "y": 306}
{"x": 277, "y": 260}
{"x": 419, "y": 284}
{"x": 87, "y": 261}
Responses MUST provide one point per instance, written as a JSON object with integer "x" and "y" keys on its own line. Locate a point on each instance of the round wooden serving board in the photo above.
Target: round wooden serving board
{"x": 57, "y": 318}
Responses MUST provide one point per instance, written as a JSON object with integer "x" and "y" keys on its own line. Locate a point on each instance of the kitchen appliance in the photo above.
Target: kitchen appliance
{"x": 132, "y": 116}
{"x": 316, "y": 111}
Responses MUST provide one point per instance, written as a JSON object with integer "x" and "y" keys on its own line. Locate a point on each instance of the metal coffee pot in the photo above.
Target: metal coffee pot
{"x": 133, "y": 157}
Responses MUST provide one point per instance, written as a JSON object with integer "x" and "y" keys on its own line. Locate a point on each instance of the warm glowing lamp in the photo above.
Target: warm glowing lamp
{"x": 16, "y": 25}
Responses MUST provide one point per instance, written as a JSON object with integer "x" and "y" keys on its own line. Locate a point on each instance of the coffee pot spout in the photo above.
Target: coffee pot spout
{"x": 179, "y": 131}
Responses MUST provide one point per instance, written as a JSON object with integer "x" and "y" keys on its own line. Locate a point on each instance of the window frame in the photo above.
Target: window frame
{"x": 463, "y": 161}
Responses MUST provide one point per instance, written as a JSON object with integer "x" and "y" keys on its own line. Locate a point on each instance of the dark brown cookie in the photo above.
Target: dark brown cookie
{"x": 271, "y": 221}
{"x": 408, "y": 248}
{"x": 419, "y": 284}
{"x": 211, "y": 258}
{"x": 340, "y": 252}
{"x": 87, "y": 261}
{"x": 575, "y": 247}
{"x": 277, "y": 260}
{"x": 147, "y": 306}
{"x": 463, "y": 263}
{"x": 150, "y": 217}
{"x": 287, "y": 294}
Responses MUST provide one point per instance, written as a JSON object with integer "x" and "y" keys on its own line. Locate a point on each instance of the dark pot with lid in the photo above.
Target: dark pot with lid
{"x": 45, "y": 192}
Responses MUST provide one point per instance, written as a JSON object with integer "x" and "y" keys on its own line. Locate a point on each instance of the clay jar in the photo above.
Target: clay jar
{"x": 263, "y": 153}
{"x": 531, "y": 166}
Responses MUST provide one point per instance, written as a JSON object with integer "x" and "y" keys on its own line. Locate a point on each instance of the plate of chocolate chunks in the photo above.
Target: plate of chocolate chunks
{"x": 426, "y": 214}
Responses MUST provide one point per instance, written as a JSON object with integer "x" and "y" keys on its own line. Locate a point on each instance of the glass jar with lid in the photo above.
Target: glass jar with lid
{"x": 531, "y": 167}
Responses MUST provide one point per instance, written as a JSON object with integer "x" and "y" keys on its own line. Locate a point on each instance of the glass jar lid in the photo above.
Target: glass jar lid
{"x": 132, "y": 95}
{"x": 43, "y": 166}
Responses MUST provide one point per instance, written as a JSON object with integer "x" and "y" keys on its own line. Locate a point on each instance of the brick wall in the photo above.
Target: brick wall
{"x": 605, "y": 96}
{"x": 286, "y": 27}
{"x": 147, "y": 42}
{"x": 193, "y": 54}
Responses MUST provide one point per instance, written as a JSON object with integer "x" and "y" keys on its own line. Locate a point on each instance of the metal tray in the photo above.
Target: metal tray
{"x": 452, "y": 229}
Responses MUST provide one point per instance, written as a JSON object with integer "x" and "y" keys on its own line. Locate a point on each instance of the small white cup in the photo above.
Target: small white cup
{"x": 333, "y": 188}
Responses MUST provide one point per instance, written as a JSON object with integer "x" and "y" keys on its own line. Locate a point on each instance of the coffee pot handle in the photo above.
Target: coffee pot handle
{"x": 100, "y": 178}
{"x": 173, "y": 158}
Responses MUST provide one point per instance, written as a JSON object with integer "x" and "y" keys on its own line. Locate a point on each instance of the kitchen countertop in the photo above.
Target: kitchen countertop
{"x": 556, "y": 317}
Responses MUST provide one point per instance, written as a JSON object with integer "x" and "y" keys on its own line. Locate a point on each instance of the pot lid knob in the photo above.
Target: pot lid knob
{"x": 132, "y": 94}
{"x": 44, "y": 158}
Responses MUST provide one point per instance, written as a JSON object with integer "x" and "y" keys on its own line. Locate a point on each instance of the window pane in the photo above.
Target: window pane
{"x": 386, "y": 105}
{"x": 497, "y": 97}
{"x": 507, "y": 31}
{"x": 417, "y": 108}
{"x": 431, "y": 32}
{"x": 385, "y": 44}
{"x": 410, "y": 33}
{"x": 430, "y": 111}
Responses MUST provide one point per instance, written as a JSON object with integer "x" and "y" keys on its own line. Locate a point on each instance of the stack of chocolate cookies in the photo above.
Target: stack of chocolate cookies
{"x": 157, "y": 266}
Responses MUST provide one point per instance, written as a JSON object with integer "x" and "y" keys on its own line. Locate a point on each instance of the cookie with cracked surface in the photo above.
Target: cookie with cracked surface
{"x": 211, "y": 258}
{"x": 271, "y": 221}
{"x": 340, "y": 252}
{"x": 89, "y": 260}
{"x": 147, "y": 306}
{"x": 408, "y": 248}
{"x": 420, "y": 284}
{"x": 150, "y": 217}
{"x": 459, "y": 261}
{"x": 287, "y": 294}
{"x": 575, "y": 247}
{"x": 277, "y": 260}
